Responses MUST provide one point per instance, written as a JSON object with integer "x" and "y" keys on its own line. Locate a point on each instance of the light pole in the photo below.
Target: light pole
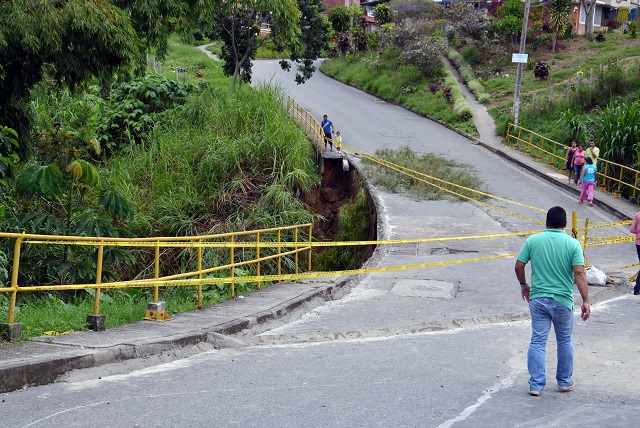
{"x": 523, "y": 42}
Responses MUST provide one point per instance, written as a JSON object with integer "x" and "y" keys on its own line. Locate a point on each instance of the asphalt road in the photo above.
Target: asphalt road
{"x": 438, "y": 347}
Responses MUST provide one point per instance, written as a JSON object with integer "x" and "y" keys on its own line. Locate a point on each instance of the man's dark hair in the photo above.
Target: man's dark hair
{"x": 556, "y": 218}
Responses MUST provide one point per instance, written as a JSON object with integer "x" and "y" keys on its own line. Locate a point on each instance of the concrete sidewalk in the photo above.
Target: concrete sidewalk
{"x": 45, "y": 359}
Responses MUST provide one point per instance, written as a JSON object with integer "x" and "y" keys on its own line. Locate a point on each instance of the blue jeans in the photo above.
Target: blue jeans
{"x": 544, "y": 311}
{"x": 577, "y": 170}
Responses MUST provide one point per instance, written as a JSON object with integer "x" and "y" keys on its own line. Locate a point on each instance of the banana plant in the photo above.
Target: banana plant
{"x": 72, "y": 203}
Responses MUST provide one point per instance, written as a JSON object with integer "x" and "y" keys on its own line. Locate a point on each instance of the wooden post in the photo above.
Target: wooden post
{"x": 569, "y": 91}
{"x": 579, "y": 95}
{"x": 533, "y": 101}
{"x": 591, "y": 85}
{"x": 550, "y": 97}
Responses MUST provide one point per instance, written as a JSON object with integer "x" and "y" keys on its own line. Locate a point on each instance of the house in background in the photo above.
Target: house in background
{"x": 620, "y": 11}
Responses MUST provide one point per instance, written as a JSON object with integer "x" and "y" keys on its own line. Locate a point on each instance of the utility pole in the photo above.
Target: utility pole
{"x": 523, "y": 42}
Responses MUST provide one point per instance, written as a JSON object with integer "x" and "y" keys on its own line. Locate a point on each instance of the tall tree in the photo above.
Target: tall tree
{"x": 237, "y": 24}
{"x": 590, "y": 9}
{"x": 314, "y": 38}
{"x": 66, "y": 41}
{"x": 558, "y": 19}
{"x": 154, "y": 20}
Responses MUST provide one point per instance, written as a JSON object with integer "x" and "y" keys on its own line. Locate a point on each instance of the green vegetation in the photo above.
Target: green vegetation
{"x": 443, "y": 169}
{"x": 387, "y": 77}
{"x": 187, "y": 159}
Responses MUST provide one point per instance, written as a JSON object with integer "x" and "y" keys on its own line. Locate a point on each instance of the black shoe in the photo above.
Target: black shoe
{"x": 635, "y": 293}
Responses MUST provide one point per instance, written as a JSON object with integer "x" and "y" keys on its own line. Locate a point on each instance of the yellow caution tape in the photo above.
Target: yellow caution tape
{"x": 56, "y": 333}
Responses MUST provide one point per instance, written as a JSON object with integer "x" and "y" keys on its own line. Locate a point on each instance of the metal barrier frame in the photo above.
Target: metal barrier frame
{"x": 611, "y": 176}
{"x": 225, "y": 240}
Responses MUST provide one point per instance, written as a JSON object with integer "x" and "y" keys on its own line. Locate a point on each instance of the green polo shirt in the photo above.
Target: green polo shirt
{"x": 553, "y": 254}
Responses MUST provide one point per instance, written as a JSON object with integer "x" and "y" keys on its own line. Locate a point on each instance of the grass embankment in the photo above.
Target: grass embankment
{"x": 221, "y": 162}
{"x": 388, "y": 77}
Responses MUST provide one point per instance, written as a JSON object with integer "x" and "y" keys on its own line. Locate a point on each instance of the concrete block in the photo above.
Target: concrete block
{"x": 9, "y": 332}
{"x": 157, "y": 306}
{"x": 96, "y": 322}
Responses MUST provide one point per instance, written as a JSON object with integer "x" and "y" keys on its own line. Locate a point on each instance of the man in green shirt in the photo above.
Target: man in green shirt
{"x": 593, "y": 152}
{"x": 557, "y": 262}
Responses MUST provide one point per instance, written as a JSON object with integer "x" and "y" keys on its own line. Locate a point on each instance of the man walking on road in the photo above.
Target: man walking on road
{"x": 557, "y": 262}
{"x": 327, "y": 129}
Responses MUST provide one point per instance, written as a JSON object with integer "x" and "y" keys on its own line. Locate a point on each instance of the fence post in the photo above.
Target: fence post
{"x": 200, "y": 274}
{"x": 295, "y": 239}
{"x": 10, "y": 330}
{"x": 156, "y": 271}
{"x": 232, "y": 257}
{"x": 258, "y": 257}
{"x": 95, "y": 321}
{"x": 310, "y": 248}
{"x": 550, "y": 97}
{"x": 279, "y": 252}
{"x": 14, "y": 278}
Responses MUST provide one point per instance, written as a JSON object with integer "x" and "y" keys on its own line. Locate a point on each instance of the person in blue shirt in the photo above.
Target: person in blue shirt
{"x": 327, "y": 128}
{"x": 588, "y": 180}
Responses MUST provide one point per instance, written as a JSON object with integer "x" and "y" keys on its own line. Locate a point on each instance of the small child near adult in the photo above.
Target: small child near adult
{"x": 588, "y": 180}
{"x": 338, "y": 141}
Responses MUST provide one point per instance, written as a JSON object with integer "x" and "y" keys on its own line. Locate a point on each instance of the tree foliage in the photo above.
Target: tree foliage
{"x": 558, "y": 19}
{"x": 314, "y": 39}
{"x": 66, "y": 41}
{"x": 418, "y": 45}
{"x": 509, "y": 18}
{"x": 383, "y": 13}
{"x": 237, "y": 25}
{"x": 414, "y": 10}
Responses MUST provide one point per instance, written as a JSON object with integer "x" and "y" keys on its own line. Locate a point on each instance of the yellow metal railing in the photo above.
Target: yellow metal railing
{"x": 307, "y": 122}
{"x": 617, "y": 179}
{"x": 291, "y": 238}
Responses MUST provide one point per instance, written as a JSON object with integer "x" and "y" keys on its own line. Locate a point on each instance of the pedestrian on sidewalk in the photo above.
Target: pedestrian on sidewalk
{"x": 635, "y": 228}
{"x": 578, "y": 163}
{"x": 327, "y": 129}
{"x": 568, "y": 158}
{"x": 588, "y": 180}
{"x": 338, "y": 141}
{"x": 593, "y": 152}
{"x": 557, "y": 262}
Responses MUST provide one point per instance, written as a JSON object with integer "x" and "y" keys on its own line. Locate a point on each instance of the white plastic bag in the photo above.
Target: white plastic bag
{"x": 595, "y": 276}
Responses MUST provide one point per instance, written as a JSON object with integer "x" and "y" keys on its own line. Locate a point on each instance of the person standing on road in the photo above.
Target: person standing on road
{"x": 557, "y": 262}
{"x": 635, "y": 228}
{"x": 327, "y": 129}
{"x": 578, "y": 163}
{"x": 568, "y": 159}
{"x": 588, "y": 180}
{"x": 593, "y": 152}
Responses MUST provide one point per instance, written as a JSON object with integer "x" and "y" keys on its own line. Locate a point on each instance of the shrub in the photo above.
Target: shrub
{"x": 471, "y": 54}
{"x": 134, "y": 107}
{"x": 541, "y": 71}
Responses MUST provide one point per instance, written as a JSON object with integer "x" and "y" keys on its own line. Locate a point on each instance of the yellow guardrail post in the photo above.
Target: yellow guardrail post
{"x": 258, "y": 258}
{"x": 200, "y": 274}
{"x": 574, "y": 225}
{"x": 231, "y": 262}
{"x": 279, "y": 252}
{"x": 584, "y": 242}
{"x": 95, "y": 321}
{"x": 295, "y": 240}
{"x": 156, "y": 271}
{"x": 96, "y": 300}
{"x": 12, "y": 330}
{"x": 14, "y": 278}
{"x": 310, "y": 240}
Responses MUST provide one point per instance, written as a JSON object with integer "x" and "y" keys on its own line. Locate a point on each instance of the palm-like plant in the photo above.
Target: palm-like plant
{"x": 558, "y": 18}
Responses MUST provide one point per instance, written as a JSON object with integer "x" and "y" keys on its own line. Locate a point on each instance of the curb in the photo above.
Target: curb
{"x": 44, "y": 369}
